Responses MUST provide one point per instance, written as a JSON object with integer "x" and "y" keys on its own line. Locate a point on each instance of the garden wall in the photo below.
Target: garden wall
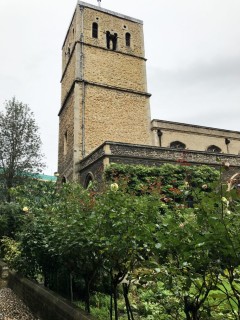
{"x": 42, "y": 302}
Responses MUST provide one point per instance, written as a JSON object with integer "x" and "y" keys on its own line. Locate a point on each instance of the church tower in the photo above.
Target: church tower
{"x": 103, "y": 86}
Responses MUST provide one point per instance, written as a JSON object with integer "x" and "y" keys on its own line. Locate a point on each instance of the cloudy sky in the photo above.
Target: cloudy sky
{"x": 192, "y": 47}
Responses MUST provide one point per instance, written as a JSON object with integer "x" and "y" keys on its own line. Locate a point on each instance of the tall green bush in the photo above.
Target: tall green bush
{"x": 183, "y": 257}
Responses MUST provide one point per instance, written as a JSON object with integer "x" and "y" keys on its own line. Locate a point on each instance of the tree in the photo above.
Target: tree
{"x": 20, "y": 144}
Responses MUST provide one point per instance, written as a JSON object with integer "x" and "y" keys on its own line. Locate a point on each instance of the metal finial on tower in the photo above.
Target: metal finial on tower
{"x": 99, "y": 3}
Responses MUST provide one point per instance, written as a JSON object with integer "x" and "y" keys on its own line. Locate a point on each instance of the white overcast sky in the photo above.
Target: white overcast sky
{"x": 192, "y": 47}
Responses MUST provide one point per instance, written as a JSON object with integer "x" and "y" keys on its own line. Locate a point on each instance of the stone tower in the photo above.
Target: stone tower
{"x": 103, "y": 87}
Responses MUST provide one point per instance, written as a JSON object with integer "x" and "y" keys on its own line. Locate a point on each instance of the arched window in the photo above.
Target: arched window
{"x": 65, "y": 143}
{"x": 95, "y": 30}
{"x": 128, "y": 39}
{"x": 214, "y": 148}
{"x": 88, "y": 181}
{"x": 111, "y": 40}
{"x": 177, "y": 145}
{"x": 64, "y": 180}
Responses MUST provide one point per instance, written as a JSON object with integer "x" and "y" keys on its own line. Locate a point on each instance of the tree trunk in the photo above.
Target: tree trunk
{"x": 115, "y": 301}
{"x": 195, "y": 314}
{"x": 71, "y": 286}
{"x": 87, "y": 295}
{"x": 127, "y": 303}
{"x": 111, "y": 307}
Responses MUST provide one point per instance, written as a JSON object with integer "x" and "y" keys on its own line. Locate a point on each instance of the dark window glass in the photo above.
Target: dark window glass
{"x": 128, "y": 39}
{"x": 111, "y": 41}
{"x": 89, "y": 180}
{"x": 214, "y": 149}
{"x": 177, "y": 145}
{"x": 95, "y": 30}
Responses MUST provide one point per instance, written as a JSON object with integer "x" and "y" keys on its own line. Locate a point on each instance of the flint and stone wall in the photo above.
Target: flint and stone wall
{"x": 112, "y": 152}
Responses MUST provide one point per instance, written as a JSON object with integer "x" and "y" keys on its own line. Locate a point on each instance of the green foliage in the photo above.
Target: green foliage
{"x": 35, "y": 194}
{"x": 175, "y": 183}
{"x": 100, "y": 305}
{"x": 20, "y": 145}
{"x": 182, "y": 257}
{"x": 10, "y": 219}
{"x": 10, "y": 250}
{"x": 166, "y": 174}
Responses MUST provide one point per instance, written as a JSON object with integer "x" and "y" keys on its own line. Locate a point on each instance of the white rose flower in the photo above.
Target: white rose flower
{"x": 225, "y": 201}
{"x": 114, "y": 187}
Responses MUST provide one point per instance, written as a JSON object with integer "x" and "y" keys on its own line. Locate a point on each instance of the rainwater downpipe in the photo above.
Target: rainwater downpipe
{"x": 82, "y": 79}
{"x": 227, "y": 141}
{"x": 159, "y": 133}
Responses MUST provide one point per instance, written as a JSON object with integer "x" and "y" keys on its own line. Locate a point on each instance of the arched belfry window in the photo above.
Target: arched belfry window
{"x": 177, "y": 145}
{"x": 214, "y": 148}
{"x": 128, "y": 39}
{"x": 95, "y": 30}
{"x": 111, "y": 40}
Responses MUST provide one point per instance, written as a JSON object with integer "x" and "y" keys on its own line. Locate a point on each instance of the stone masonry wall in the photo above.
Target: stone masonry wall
{"x": 172, "y": 155}
{"x": 114, "y": 69}
{"x": 111, "y": 114}
{"x": 195, "y": 137}
{"x": 69, "y": 42}
{"x": 114, "y": 24}
{"x": 65, "y": 161}
{"x": 116, "y": 116}
{"x": 96, "y": 170}
{"x": 68, "y": 78}
{"x": 200, "y": 142}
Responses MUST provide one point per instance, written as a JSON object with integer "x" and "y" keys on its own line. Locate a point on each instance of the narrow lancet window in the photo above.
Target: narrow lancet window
{"x": 128, "y": 39}
{"x": 65, "y": 143}
{"x": 95, "y": 30}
